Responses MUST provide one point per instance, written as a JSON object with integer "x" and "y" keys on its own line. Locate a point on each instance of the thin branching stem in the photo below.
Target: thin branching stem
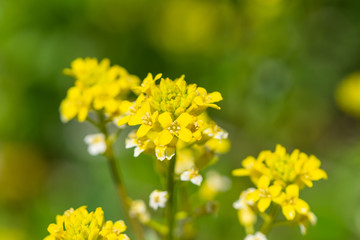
{"x": 117, "y": 174}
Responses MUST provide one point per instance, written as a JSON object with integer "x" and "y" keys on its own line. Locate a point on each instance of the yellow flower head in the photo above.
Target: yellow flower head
{"x": 83, "y": 225}
{"x": 283, "y": 168}
{"x": 168, "y": 112}
{"x": 98, "y": 86}
{"x": 347, "y": 94}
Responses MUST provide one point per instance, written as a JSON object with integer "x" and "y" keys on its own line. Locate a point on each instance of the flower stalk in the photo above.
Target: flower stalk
{"x": 171, "y": 204}
{"x": 117, "y": 176}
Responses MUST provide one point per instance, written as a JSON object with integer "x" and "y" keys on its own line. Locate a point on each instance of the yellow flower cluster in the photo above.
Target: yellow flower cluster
{"x": 348, "y": 94}
{"x": 171, "y": 114}
{"x": 98, "y": 86}
{"x": 79, "y": 224}
{"x": 278, "y": 177}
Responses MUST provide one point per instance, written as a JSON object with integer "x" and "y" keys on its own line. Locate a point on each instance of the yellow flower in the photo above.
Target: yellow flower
{"x": 176, "y": 128}
{"x": 77, "y": 103}
{"x": 207, "y": 100}
{"x": 308, "y": 171}
{"x": 254, "y": 168}
{"x": 146, "y": 118}
{"x": 98, "y": 86}
{"x": 264, "y": 194}
{"x": 246, "y": 214}
{"x": 291, "y": 203}
{"x": 88, "y": 71}
{"x": 283, "y": 168}
{"x": 148, "y": 83}
{"x": 347, "y": 94}
{"x": 81, "y": 225}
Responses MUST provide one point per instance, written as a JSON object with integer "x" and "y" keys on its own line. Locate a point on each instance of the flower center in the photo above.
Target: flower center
{"x": 146, "y": 119}
{"x": 174, "y": 128}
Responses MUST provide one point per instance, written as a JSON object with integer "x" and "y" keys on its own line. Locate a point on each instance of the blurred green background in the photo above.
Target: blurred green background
{"x": 276, "y": 62}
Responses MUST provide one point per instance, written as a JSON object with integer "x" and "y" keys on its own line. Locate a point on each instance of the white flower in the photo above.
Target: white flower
{"x": 256, "y": 236}
{"x": 158, "y": 199}
{"x": 96, "y": 143}
{"x": 216, "y": 182}
{"x": 138, "y": 210}
{"x": 191, "y": 175}
{"x": 139, "y": 144}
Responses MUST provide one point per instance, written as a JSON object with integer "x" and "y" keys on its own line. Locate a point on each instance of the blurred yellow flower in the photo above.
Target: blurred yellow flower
{"x": 83, "y": 225}
{"x": 347, "y": 94}
{"x": 291, "y": 203}
{"x": 213, "y": 184}
{"x": 246, "y": 213}
{"x": 283, "y": 168}
{"x": 264, "y": 194}
{"x": 98, "y": 86}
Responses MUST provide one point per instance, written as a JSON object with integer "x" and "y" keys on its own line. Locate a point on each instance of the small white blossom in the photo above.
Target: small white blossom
{"x": 191, "y": 175}
{"x": 256, "y": 236}
{"x": 96, "y": 143}
{"x": 138, "y": 210}
{"x": 158, "y": 199}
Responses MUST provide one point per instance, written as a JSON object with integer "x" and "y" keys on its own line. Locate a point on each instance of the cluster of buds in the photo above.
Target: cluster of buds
{"x": 278, "y": 177}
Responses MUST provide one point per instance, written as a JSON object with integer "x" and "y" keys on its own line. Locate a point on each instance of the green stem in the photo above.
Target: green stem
{"x": 268, "y": 222}
{"x": 118, "y": 179}
{"x": 170, "y": 210}
{"x": 158, "y": 227}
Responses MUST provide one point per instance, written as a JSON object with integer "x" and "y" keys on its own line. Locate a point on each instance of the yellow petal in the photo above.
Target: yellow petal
{"x": 165, "y": 137}
{"x": 318, "y": 174}
{"x": 136, "y": 119}
{"x": 275, "y": 190}
{"x": 123, "y": 120}
{"x": 184, "y": 119}
{"x": 253, "y": 196}
{"x": 143, "y": 130}
{"x": 185, "y": 134}
{"x": 264, "y": 204}
{"x": 145, "y": 108}
{"x": 263, "y": 182}
{"x": 214, "y": 97}
{"x": 165, "y": 119}
{"x": 199, "y": 101}
{"x": 240, "y": 172}
{"x": 301, "y": 206}
{"x": 83, "y": 112}
{"x": 289, "y": 212}
{"x": 292, "y": 191}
